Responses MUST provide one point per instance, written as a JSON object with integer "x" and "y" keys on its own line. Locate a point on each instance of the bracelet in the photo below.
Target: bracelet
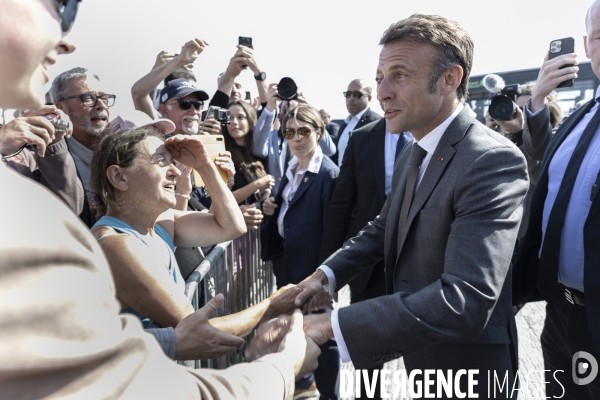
{"x": 187, "y": 196}
{"x": 16, "y": 153}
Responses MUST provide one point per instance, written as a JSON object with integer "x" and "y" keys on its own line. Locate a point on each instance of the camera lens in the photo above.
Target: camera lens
{"x": 502, "y": 108}
{"x": 287, "y": 89}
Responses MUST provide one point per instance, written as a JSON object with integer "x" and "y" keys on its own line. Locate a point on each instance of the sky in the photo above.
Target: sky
{"x": 322, "y": 45}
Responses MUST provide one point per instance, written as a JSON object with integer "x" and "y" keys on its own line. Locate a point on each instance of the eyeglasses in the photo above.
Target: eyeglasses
{"x": 91, "y": 99}
{"x": 67, "y": 9}
{"x": 187, "y": 104}
{"x": 356, "y": 94}
{"x": 303, "y": 132}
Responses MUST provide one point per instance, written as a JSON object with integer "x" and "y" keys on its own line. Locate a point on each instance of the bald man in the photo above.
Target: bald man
{"x": 358, "y": 96}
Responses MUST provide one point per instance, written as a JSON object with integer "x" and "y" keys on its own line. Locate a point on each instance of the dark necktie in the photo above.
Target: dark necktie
{"x": 417, "y": 154}
{"x": 402, "y": 141}
{"x": 548, "y": 273}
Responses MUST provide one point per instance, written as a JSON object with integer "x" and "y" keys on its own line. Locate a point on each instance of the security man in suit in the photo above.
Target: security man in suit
{"x": 446, "y": 232}
{"x": 559, "y": 258}
{"x": 358, "y": 96}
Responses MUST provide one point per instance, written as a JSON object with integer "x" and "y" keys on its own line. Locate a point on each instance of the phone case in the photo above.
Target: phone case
{"x": 559, "y": 47}
{"x": 214, "y": 144}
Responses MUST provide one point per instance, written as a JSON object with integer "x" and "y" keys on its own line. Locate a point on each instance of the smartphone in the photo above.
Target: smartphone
{"x": 214, "y": 144}
{"x": 245, "y": 41}
{"x": 248, "y": 96}
{"x": 559, "y": 47}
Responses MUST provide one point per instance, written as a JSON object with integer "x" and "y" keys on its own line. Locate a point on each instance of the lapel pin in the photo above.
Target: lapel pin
{"x": 440, "y": 158}
{"x": 306, "y": 179}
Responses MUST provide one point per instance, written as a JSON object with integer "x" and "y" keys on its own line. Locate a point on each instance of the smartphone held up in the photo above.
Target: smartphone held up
{"x": 558, "y": 48}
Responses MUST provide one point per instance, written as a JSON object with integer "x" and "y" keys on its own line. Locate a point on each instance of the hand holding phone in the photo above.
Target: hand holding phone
{"x": 245, "y": 41}
{"x": 559, "y": 47}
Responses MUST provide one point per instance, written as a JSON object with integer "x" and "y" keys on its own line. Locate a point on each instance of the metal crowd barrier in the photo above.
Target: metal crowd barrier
{"x": 235, "y": 269}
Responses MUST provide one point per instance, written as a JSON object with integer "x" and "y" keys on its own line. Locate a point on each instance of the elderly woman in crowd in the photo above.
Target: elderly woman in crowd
{"x": 133, "y": 177}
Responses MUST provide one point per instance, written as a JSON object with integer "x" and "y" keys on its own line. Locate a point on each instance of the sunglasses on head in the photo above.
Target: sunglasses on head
{"x": 67, "y": 9}
{"x": 356, "y": 94}
{"x": 186, "y": 104}
{"x": 303, "y": 132}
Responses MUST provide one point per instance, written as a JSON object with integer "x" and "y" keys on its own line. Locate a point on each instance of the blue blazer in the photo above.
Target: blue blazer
{"x": 303, "y": 222}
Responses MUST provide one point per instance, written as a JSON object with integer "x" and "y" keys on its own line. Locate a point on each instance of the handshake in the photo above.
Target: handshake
{"x": 295, "y": 334}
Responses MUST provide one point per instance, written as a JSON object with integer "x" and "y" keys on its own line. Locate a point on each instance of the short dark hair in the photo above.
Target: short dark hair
{"x": 454, "y": 45}
{"x": 116, "y": 148}
{"x": 180, "y": 73}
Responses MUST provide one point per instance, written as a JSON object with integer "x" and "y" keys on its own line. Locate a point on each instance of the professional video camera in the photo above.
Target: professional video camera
{"x": 503, "y": 106}
{"x": 287, "y": 89}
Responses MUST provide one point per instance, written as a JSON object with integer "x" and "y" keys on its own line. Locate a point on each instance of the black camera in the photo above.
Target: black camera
{"x": 287, "y": 89}
{"x": 503, "y": 106}
{"x": 220, "y": 114}
{"x": 223, "y": 116}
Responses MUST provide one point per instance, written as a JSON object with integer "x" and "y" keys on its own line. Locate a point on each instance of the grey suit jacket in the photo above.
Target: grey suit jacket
{"x": 446, "y": 283}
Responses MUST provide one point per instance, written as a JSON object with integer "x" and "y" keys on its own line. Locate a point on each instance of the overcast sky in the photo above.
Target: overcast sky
{"x": 322, "y": 45}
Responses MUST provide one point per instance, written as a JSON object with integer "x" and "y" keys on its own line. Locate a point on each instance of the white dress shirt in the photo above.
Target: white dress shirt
{"x": 428, "y": 143}
{"x": 351, "y": 123}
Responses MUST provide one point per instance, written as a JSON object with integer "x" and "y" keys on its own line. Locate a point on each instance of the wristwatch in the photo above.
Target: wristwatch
{"x": 261, "y": 76}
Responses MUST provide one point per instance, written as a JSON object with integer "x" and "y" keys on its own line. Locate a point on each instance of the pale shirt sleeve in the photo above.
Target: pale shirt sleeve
{"x": 327, "y": 145}
{"x": 335, "y": 324}
{"x": 260, "y": 135}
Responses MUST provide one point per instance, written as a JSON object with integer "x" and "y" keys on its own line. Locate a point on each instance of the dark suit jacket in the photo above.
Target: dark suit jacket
{"x": 333, "y": 129}
{"x": 359, "y": 195}
{"x": 446, "y": 280}
{"x": 529, "y": 283}
{"x": 368, "y": 117}
{"x": 303, "y": 221}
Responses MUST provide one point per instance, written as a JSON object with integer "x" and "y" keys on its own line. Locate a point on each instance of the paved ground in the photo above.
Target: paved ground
{"x": 529, "y": 323}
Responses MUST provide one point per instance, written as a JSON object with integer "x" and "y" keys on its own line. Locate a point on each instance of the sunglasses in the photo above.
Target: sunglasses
{"x": 67, "y": 9}
{"x": 187, "y": 104}
{"x": 357, "y": 95}
{"x": 303, "y": 132}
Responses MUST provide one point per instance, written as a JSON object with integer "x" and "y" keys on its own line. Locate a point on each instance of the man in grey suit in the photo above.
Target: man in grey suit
{"x": 447, "y": 229}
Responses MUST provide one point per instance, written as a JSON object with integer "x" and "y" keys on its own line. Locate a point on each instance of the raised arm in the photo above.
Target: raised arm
{"x": 235, "y": 67}
{"x": 140, "y": 91}
{"x": 260, "y": 136}
{"x": 226, "y": 221}
{"x": 261, "y": 86}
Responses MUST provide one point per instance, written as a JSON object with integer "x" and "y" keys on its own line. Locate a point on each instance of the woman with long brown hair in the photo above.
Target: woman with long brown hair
{"x": 252, "y": 184}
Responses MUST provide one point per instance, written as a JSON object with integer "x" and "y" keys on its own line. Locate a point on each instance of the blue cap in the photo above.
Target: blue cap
{"x": 178, "y": 88}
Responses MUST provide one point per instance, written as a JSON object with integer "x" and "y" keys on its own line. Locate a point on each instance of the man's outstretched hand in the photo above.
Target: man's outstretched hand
{"x": 313, "y": 296}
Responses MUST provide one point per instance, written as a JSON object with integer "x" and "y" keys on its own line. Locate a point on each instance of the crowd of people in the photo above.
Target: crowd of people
{"x": 442, "y": 226}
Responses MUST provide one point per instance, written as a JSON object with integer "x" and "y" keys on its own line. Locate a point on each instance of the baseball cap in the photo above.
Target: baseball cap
{"x": 138, "y": 119}
{"x": 179, "y": 88}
